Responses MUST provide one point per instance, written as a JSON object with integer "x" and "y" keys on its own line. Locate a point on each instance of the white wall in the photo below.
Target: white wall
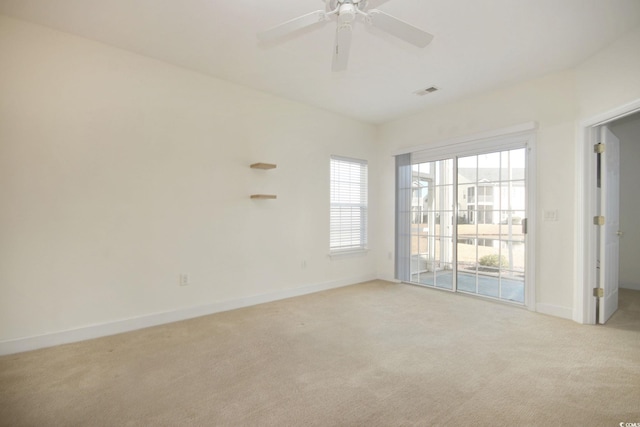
{"x": 550, "y": 101}
{"x": 609, "y": 79}
{"x": 119, "y": 172}
{"x": 628, "y": 131}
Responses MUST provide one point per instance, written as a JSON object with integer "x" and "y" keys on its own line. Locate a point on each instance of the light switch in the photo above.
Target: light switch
{"x": 551, "y": 215}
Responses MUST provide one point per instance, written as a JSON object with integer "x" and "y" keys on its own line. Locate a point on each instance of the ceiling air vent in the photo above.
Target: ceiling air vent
{"x": 426, "y": 91}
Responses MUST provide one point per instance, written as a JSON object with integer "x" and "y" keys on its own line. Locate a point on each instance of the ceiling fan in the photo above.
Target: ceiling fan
{"x": 346, "y": 12}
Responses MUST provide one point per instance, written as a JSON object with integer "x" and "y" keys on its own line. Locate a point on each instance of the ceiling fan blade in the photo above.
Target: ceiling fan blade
{"x": 342, "y": 48}
{"x": 374, "y": 4}
{"x": 400, "y": 29}
{"x": 292, "y": 25}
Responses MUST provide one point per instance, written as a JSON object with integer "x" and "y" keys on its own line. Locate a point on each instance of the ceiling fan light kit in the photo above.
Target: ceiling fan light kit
{"x": 346, "y": 13}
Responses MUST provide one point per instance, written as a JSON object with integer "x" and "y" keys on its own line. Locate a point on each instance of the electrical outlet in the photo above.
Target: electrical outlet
{"x": 303, "y": 264}
{"x": 184, "y": 279}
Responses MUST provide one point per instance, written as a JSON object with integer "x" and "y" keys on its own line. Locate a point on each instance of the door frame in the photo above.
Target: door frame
{"x": 496, "y": 140}
{"x": 584, "y": 306}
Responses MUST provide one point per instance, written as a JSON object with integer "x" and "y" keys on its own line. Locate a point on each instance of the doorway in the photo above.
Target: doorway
{"x": 596, "y": 296}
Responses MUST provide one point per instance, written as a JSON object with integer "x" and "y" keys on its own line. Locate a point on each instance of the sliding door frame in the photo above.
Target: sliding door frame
{"x": 520, "y": 136}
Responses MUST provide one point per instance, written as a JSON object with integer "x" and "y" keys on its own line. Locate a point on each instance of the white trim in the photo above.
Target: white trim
{"x": 555, "y": 310}
{"x": 139, "y": 322}
{"x": 520, "y": 136}
{"x": 388, "y": 278}
{"x": 347, "y": 253}
{"x": 584, "y": 305}
{"x": 453, "y": 143}
{"x": 612, "y": 115}
{"x": 532, "y": 210}
{"x": 349, "y": 159}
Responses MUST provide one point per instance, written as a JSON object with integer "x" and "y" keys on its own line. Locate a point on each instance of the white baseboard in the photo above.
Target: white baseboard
{"x": 388, "y": 278}
{"x": 555, "y": 310}
{"x": 131, "y": 324}
{"x": 632, "y": 286}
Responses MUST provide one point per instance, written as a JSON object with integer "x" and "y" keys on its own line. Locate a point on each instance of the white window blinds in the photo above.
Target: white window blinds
{"x": 348, "y": 216}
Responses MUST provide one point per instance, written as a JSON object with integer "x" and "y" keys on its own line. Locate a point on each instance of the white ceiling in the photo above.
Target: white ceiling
{"x": 478, "y": 44}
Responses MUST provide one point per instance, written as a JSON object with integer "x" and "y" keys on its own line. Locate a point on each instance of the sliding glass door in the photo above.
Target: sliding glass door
{"x": 466, "y": 224}
{"x": 491, "y": 224}
{"x": 432, "y": 224}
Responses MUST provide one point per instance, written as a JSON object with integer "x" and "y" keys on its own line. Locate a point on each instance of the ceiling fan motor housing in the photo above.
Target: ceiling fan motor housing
{"x": 347, "y": 13}
{"x": 334, "y": 4}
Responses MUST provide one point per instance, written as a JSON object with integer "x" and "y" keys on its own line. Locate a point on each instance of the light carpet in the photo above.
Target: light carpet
{"x": 373, "y": 354}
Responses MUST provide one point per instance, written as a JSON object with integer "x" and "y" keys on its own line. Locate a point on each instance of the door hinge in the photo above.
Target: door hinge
{"x": 598, "y": 220}
{"x": 598, "y": 148}
{"x": 598, "y": 292}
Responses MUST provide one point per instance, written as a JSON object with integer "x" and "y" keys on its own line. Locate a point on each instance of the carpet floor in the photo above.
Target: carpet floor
{"x": 373, "y": 354}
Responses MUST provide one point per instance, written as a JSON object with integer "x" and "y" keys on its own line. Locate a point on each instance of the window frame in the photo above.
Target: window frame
{"x": 341, "y": 197}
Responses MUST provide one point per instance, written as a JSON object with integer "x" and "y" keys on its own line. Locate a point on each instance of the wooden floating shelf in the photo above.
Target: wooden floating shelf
{"x": 263, "y": 166}
{"x": 263, "y": 196}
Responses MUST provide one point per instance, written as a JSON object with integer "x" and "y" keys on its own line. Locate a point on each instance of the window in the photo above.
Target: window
{"x": 485, "y": 194}
{"x": 485, "y": 214}
{"x": 348, "y": 212}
